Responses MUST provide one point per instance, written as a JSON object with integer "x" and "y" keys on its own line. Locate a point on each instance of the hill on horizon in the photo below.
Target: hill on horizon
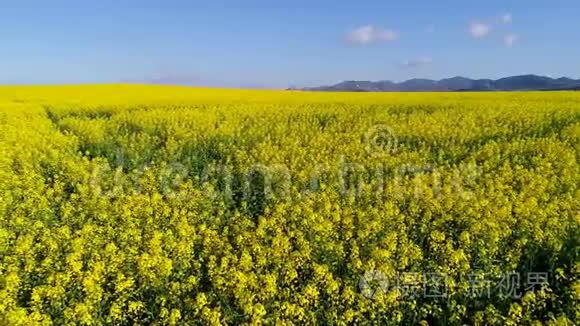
{"x": 456, "y": 84}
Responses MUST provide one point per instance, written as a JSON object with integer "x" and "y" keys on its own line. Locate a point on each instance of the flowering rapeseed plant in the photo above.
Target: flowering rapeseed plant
{"x": 171, "y": 205}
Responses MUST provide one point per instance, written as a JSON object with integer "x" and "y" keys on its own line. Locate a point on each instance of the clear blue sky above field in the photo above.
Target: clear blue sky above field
{"x": 284, "y": 43}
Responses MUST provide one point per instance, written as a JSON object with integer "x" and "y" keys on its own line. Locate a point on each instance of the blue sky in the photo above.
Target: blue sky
{"x": 284, "y": 43}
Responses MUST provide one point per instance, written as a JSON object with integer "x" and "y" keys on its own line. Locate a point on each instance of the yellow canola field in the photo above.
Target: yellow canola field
{"x": 135, "y": 204}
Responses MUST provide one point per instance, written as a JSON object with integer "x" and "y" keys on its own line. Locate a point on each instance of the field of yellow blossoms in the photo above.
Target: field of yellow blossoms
{"x": 133, "y": 205}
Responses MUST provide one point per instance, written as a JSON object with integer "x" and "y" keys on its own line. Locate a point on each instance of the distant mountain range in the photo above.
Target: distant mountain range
{"x": 456, "y": 84}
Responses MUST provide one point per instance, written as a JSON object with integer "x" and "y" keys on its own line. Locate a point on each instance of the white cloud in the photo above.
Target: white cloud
{"x": 506, "y": 18}
{"x": 417, "y": 62}
{"x": 479, "y": 30}
{"x": 371, "y": 34}
{"x": 510, "y": 39}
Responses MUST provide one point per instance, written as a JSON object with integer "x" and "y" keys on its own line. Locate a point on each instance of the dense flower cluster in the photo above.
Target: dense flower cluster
{"x": 138, "y": 204}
